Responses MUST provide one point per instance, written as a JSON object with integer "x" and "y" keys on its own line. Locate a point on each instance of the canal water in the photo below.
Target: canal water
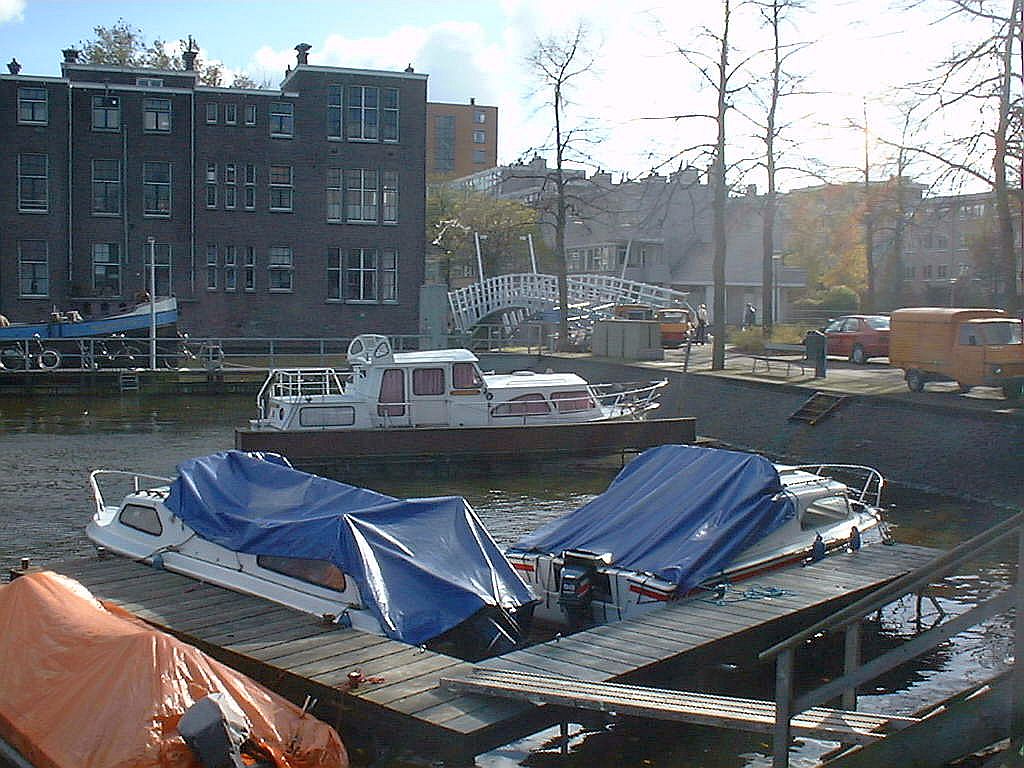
{"x": 49, "y": 445}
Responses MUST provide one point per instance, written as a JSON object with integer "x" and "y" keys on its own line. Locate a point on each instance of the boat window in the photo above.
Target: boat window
{"x": 339, "y": 416}
{"x": 141, "y": 518}
{"x": 392, "y": 390}
{"x": 465, "y": 376}
{"x": 820, "y": 516}
{"x": 320, "y": 572}
{"x": 569, "y": 402}
{"x": 524, "y": 405}
{"x": 428, "y": 381}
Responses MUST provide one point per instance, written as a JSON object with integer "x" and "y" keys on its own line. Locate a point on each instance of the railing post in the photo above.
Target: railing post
{"x": 1017, "y": 714}
{"x": 783, "y": 706}
{"x": 851, "y": 660}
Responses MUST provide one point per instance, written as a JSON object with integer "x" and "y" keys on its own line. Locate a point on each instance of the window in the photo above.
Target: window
{"x": 327, "y": 416}
{"x": 428, "y": 381}
{"x": 389, "y": 116}
{"x": 106, "y": 187}
{"x": 389, "y": 275}
{"x": 211, "y": 268}
{"x": 279, "y": 268}
{"x": 106, "y": 113}
{"x": 250, "y": 268}
{"x": 211, "y": 173}
{"x": 32, "y": 108}
{"x": 392, "y": 390}
{"x": 211, "y": 195}
{"x": 250, "y": 114}
{"x": 361, "y": 196}
{"x": 156, "y": 115}
{"x": 334, "y": 194}
{"x": 282, "y": 119}
{"x": 321, "y": 573}
{"x": 33, "y": 269}
{"x": 230, "y": 188}
{"x": 479, "y": 155}
{"x": 361, "y": 275}
{"x": 106, "y": 269}
{"x": 525, "y": 405}
{"x": 942, "y": 271}
{"x": 479, "y": 137}
{"x": 389, "y": 192}
{"x": 156, "y": 189}
{"x": 362, "y": 113}
{"x": 927, "y": 271}
{"x": 465, "y": 376}
{"x": 479, "y": 117}
{"x": 230, "y": 114}
{"x": 571, "y": 402}
{"x": 33, "y": 183}
{"x": 150, "y": 82}
{"x": 211, "y": 113}
{"x": 334, "y": 110}
{"x": 141, "y": 518}
{"x": 250, "y": 187}
{"x": 444, "y": 143}
{"x": 162, "y": 270}
{"x": 230, "y": 268}
{"x": 280, "y": 188}
{"x": 908, "y": 272}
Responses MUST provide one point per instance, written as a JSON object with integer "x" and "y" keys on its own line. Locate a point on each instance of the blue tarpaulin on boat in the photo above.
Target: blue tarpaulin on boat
{"x": 680, "y": 512}
{"x": 423, "y": 566}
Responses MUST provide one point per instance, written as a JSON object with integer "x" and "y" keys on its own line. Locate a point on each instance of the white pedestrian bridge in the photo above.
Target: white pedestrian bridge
{"x": 515, "y": 297}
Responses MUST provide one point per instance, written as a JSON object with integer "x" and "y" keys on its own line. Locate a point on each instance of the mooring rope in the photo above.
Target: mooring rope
{"x": 725, "y": 593}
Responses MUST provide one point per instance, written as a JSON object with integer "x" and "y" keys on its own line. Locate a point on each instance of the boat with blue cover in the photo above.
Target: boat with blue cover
{"x": 422, "y": 571}
{"x": 679, "y": 519}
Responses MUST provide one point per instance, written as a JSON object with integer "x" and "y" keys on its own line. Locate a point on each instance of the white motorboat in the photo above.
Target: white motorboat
{"x": 423, "y": 571}
{"x": 439, "y": 388}
{"x": 679, "y": 520}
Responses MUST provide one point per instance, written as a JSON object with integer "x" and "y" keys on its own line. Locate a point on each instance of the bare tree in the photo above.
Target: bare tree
{"x": 557, "y": 65}
{"x": 976, "y": 82}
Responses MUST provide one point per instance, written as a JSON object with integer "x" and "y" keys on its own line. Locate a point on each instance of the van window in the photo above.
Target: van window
{"x": 969, "y": 334}
{"x": 1008, "y": 332}
{"x": 141, "y": 518}
{"x": 465, "y": 376}
{"x": 525, "y": 405}
{"x": 319, "y": 572}
{"x": 428, "y": 381}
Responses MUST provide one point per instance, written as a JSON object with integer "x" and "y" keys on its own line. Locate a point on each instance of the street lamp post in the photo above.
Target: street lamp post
{"x": 528, "y": 237}
{"x": 479, "y": 259}
{"x": 152, "y": 303}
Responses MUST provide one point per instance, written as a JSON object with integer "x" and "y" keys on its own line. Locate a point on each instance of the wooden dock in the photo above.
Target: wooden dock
{"x": 401, "y": 699}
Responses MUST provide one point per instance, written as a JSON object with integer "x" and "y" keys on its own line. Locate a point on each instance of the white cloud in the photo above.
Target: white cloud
{"x": 11, "y": 10}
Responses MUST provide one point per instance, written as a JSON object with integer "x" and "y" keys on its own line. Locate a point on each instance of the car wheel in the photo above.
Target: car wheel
{"x": 915, "y": 380}
{"x": 857, "y": 355}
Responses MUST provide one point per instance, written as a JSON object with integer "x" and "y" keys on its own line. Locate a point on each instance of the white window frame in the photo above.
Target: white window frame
{"x": 105, "y": 106}
{"x": 153, "y": 107}
{"x": 249, "y": 202}
{"x": 358, "y": 126}
{"x": 389, "y": 115}
{"x": 280, "y": 263}
{"x": 230, "y": 269}
{"x": 212, "y": 267}
{"x": 106, "y": 183}
{"x": 157, "y": 186}
{"x": 111, "y": 258}
{"x": 362, "y": 202}
{"x": 231, "y": 114}
{"x": 250, "y": 269}
{"x": 31, "y": 178}
{"x": 389, "y": 197}
{"x": 282, "y": 120}
{"x": 387, "y": 279}
{"x": 37, "y": 275}
{"x": 162, "y": 261}
{"x": 281, "y": 188}
{"x": 251, "y": 113}
{"x": 28, "y": 97}
{"x": 335, "y": 112}
{"x": 335, "y": 195}
{"x": 361, "y": 265}
{"x": 211, "y": 112}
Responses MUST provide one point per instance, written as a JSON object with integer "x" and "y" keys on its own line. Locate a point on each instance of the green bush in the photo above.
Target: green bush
{"x": 841, "y": 298}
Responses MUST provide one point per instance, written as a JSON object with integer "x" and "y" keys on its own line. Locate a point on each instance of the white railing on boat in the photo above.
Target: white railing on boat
{"x": 636, "y": 398}
{"x": 299, "y": 382}
{"x": 135, "y": 477}
{"x": 870, "y": 492}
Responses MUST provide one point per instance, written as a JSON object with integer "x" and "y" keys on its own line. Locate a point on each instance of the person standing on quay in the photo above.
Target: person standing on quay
{"x": 702, "y": 324}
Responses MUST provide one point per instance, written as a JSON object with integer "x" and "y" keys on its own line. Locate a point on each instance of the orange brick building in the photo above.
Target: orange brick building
{"x": 462, "y": 139}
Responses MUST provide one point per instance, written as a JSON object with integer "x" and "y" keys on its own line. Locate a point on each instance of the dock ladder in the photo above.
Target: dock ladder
{"x": 817, "y": 407}
{"x": 128, "y": 381}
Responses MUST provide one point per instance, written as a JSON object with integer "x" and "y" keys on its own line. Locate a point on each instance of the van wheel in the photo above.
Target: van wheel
{"x": 857, "y": 355}
{"x": 1011, "y": 391}
{"x": 915, "y": 380}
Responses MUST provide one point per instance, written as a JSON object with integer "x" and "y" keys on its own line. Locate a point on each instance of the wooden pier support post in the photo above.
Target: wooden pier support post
{"x": 1017, "y": 713}
{"x": 783, "y": 708}
{"x": 851, "y": 661}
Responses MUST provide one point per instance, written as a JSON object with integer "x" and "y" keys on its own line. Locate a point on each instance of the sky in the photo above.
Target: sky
{"x": 857, "y": 54}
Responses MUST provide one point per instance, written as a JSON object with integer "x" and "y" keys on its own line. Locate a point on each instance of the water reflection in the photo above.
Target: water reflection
{"x": 49, "y": 445}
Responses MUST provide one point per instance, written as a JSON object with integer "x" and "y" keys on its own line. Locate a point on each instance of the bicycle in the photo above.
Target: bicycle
{"x": 20, "y": 356}
{"x": 209, "y": 354}
{"x": 117, "y": 350}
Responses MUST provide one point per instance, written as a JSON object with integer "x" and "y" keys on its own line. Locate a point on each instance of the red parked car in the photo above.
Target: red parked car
{"x": 858, "y": 337}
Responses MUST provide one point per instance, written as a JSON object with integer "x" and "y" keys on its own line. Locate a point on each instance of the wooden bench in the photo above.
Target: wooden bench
{"x": 780, "y": 354}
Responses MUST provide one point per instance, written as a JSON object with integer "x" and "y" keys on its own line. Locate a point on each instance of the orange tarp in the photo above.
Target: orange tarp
{"x": 84, "y": 686}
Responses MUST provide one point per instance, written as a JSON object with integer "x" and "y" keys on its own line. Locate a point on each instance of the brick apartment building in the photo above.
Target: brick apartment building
{"x": 290, "y": 212}
{"x": 461, "y": 139}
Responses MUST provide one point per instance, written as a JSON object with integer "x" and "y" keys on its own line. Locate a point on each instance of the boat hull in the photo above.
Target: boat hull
{"x": 137, "y": 319}
{"x": 581, "y": 439}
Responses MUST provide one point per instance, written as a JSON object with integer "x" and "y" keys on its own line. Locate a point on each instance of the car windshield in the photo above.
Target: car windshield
{"x": 835, "y": 325}
{"x": 1008, "y": 332}
{"x": 878, "y": 323}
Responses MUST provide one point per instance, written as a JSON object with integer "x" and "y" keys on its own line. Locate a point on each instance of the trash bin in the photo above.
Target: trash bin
{"x": 814, "y": 341}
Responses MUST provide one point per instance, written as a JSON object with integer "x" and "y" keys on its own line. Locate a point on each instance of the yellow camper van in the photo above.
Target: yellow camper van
{"x": 676, "y": 322}
{"x": 973, "y": 347}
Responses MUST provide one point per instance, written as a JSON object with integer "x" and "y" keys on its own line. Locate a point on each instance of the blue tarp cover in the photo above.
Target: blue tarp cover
{"x": 423, "y": 566}
{"x": 678, "y": 511}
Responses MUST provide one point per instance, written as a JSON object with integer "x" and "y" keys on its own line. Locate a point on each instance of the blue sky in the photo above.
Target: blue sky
{"x": 862, "y": 49}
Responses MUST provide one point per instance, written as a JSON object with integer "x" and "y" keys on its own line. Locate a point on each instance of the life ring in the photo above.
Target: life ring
{"x": 490, "y": 395}
{"x": 49, "y": 359}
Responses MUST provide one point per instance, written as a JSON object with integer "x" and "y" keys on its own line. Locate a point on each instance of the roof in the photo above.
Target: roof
{"x": 531, "y": 380}
{"x": 947, "y": 314}
{"x": 434, "y": 356}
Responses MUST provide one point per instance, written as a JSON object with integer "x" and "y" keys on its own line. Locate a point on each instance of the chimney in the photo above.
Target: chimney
{"x": 409, "y": 68}
{"x": 472, "y": 101}
{"x": 13, "y": 66}
{"x": 188, "y": 56}
{"x": 70, "y": 55}
{"x": 302, "y": 53}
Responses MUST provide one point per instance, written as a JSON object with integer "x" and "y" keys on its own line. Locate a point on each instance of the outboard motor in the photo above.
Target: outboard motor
{"x": 579, "y": 577}
{"x": 215, "y": 728}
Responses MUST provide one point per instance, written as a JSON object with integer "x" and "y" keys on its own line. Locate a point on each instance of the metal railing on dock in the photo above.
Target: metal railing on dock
{"x": 788, "y": 706}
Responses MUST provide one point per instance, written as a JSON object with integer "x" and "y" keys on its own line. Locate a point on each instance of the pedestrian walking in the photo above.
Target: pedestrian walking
{"x": 750, "y": 316}
{"x": 702, "y": 324}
